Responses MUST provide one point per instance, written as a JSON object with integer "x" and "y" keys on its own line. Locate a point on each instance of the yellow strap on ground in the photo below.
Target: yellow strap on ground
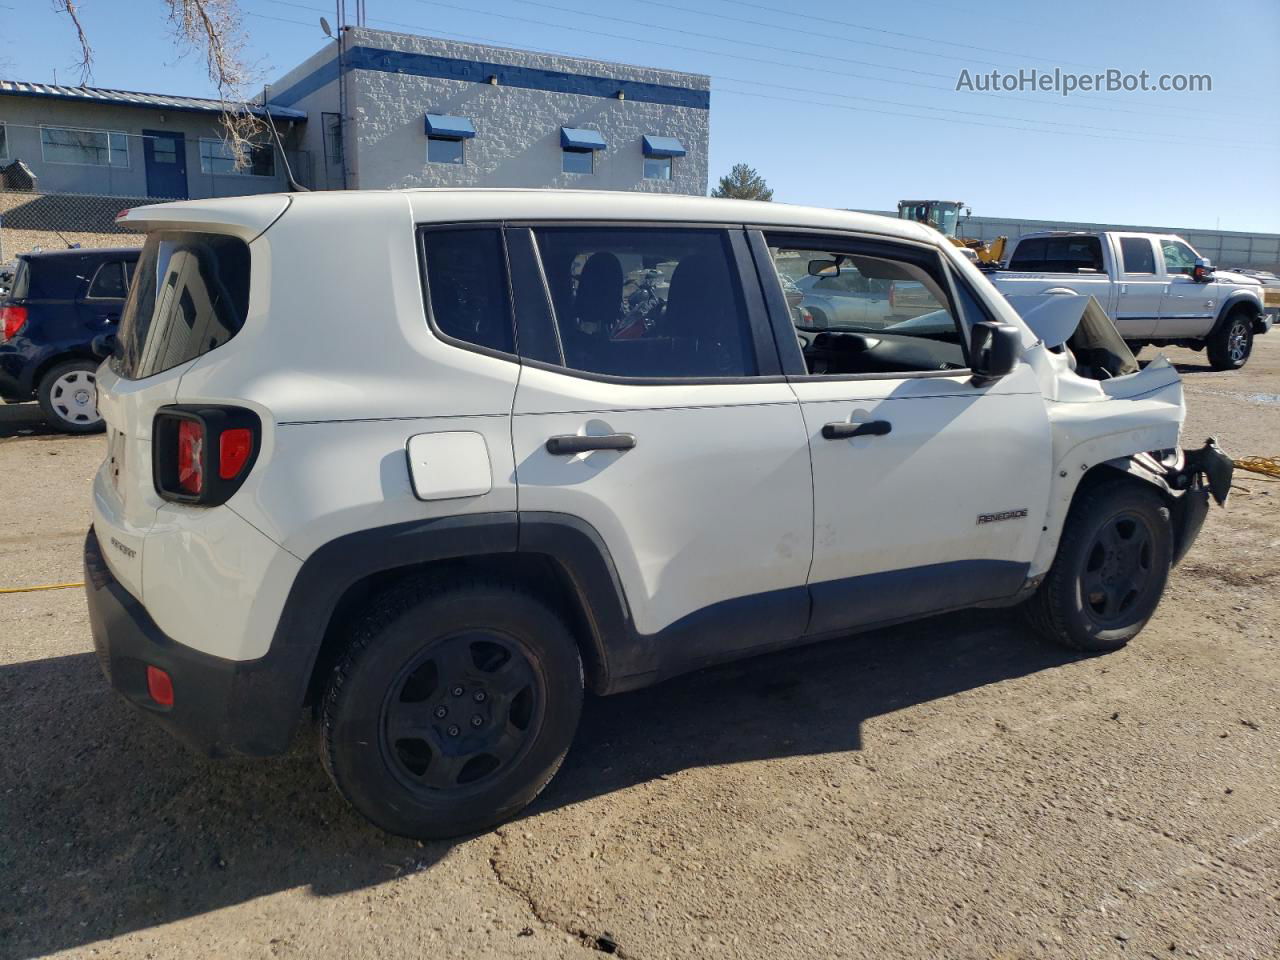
{"x": 46, "y": 586}
{"x": 1267, "y": 466}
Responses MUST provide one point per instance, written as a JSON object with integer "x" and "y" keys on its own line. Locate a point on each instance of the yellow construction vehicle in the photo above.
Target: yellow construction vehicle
{"x": 946, "y": 216}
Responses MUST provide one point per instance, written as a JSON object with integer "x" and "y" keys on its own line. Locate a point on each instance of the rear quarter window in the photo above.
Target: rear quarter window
{"x": 190, "y": 295}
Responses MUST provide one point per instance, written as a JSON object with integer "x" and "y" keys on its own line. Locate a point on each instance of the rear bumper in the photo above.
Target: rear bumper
{"x": 221, "y": 707}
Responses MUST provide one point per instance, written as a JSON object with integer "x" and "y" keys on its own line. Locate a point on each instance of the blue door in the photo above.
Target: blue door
{"x": 165, "y": 153}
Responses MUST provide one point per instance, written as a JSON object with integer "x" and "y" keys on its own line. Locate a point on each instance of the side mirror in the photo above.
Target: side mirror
{"x": 104, "y": 345}
{"x": 1202, "y": 272}
{"x": 994, "y": 349}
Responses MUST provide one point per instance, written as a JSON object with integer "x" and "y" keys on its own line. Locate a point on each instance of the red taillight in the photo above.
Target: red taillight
{"x": 234, "y": 447}
{"x": 159, "y": 686}
{"x": 12, "y": 319}
{"x": 191, "y": 457}
{"x": 201, "y": 454}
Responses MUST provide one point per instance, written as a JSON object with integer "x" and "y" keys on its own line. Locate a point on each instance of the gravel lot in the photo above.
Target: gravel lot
{"x": 950, "y": 789}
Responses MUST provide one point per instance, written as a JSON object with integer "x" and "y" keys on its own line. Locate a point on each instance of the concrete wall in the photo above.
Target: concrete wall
{"x": 23, "y": 116}
{"x": 317, "y": 96}
{"x": 517, "y": 140}
{"x": 1226, "y": 248}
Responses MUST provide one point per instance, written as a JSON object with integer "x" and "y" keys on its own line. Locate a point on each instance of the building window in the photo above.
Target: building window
{"x": 445, "y": 150}
{"x": 98, "y": 148}
{"x": 657, "y": 168}
{"x": 4, "y": 143}
{"x": 577, "y": 160}
{"x": 216, "y": 156}
{"x": 332, "y": 123}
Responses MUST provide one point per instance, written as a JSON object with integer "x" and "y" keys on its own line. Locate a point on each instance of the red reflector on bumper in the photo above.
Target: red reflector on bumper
{"x": 160, "y": 686}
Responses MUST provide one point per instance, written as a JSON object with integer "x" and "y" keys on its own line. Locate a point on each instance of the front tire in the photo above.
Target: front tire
{"x": 68, "y": 395}
{"x": 452, "y": 708}
{"x": 1232, "y": 343}
{"x": 1111, "y": 569}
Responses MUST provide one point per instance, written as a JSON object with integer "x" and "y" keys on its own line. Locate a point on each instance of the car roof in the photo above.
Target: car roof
{"x": 453, "y": 204}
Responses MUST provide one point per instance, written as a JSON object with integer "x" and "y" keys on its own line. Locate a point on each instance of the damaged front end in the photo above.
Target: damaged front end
{"x": 1188, "y": 479}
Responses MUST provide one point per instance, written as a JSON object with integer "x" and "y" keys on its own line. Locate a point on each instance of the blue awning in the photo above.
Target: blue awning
{"x": 442, "y": 125}
{"x": 662, "y": 146}
{"x": 581, "y": 139}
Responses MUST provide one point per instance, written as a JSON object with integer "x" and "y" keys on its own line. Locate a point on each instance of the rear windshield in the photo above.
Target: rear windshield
{"x": 1058, "y": 255}
{"x": 190, "y": 294}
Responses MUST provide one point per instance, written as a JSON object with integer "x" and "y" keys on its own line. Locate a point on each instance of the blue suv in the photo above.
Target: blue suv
{"x": 58, "y": 304}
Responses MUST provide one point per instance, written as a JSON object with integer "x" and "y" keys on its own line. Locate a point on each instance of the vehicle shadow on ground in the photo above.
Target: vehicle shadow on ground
{"x": 23, "y": 420}
{"x": 111, "y": 826}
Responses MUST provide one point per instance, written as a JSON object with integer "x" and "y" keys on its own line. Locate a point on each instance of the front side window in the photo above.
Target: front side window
{"x": 217, "y": 157}
{"x": 190, "y": 296}
{"x": 577, "y": 160}
{"x": 859, "y": 313}
{"x": 109, "y": 282}
{"x": 445, "y": 150}
{"x": 467, "y": 286}
{"x": 640, "y": 302}
{"x": 657, "y": 168}
{"x": 1136, "y": 255}
{"x": 1178, "y": 257}
{"x": 98, "y": 148}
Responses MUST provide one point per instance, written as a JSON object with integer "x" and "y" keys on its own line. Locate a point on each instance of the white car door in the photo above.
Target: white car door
{"x": 1187, "y": 308}
{"x": 662, "y": 434}
{"x": 1140, "y": 286}
{"x": 929, "y": 492}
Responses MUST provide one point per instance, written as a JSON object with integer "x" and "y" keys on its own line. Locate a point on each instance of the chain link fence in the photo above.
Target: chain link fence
{"x": 55, "y": 221}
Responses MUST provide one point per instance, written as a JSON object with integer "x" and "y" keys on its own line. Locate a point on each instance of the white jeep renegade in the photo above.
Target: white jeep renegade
{"x": 434, "y": 462}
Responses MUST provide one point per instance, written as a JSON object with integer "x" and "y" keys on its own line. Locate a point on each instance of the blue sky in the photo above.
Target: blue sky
{"x": 853, "y": 105}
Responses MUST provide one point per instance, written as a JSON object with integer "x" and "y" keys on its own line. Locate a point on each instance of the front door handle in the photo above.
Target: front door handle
{"x": 574, "y": 443}
{"x": 843, "y": 431}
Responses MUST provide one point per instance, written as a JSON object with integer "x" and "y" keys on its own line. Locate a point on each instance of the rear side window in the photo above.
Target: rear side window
{"x": 190, "y": 295}
{"x": 1137, "y": 256}
{"x": 109, "y": 282}
{"x": 648, "y": 303}
{"x": 21, "y": 281}
{"x": 1058, "y": 255}
{"x": 466, "y": 273}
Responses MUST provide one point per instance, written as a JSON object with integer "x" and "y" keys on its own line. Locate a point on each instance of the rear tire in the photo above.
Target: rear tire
{"x": 452, "y": 708}
{"x": 68, "y": 395}
{"x": 1111, "y": 569}
{"x": 1231, "y": 344}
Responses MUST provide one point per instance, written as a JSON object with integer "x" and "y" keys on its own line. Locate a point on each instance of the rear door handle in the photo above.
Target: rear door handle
{"x": 843, "y": 431}
{"x": 573, "y": 443}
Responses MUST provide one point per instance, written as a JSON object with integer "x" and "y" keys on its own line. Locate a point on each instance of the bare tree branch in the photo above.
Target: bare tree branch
{"x": 72, "y": 10}
{"x": 214, "y": 27}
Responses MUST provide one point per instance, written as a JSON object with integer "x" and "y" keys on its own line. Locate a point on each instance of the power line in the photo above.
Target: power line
{"x": 892, "y": 33}
{"x": 1160, "y": 138}
{"x": 1060, "y": 101}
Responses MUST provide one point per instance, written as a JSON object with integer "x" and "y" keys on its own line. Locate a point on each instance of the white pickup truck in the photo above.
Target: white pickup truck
{"x": 1154, "y": 287}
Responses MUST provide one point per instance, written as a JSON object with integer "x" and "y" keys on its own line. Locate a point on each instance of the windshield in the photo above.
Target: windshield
{"x": 189, "y": 296}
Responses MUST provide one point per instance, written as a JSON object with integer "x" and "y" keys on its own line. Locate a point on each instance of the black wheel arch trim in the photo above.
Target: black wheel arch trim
{"x": 1233, "y": 302}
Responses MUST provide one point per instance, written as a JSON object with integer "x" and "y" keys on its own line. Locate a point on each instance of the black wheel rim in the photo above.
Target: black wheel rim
{"x": 465, "y": 709}
{"x": 1119, "y": 570}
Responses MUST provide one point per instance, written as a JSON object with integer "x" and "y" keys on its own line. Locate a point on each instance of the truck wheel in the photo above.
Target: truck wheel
{"x": 68, "y": 395}
{"x": 1110, "y": 572}
{"x": 1231, "y": 344}
{"x": 452, "y": 708}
